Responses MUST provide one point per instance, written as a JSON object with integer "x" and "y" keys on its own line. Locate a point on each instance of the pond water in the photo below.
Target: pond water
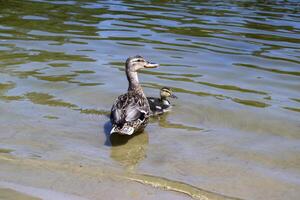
{"x": 234, "y": 131}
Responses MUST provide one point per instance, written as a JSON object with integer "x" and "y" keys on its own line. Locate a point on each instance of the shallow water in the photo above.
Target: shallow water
{"x": 233, "y": 132}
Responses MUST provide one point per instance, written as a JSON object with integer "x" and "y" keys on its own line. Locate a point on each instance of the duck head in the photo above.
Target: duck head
{"x": 135, "y": 63}
{"x": 166, "y": 92}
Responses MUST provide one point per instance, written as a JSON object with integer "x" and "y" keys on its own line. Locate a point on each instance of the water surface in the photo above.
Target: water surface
{"x": 233, "y": 132}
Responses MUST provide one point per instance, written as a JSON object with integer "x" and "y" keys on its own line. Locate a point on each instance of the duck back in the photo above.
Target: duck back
{"x": 130, "y": 113}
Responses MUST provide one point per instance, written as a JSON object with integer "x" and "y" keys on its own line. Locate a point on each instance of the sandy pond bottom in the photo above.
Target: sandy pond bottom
{"x": 44, "y": 157}
{"x": 57, "y": 182}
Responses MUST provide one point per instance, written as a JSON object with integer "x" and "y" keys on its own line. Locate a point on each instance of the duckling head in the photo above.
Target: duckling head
{"x": 166, "y": 92}
{"x": 135, "y": 63}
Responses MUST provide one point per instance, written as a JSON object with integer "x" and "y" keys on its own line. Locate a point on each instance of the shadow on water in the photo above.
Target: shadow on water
{"x": 116, "y": 139}
{"x": 126, "y": 150}
{"x": 106, "y": 129}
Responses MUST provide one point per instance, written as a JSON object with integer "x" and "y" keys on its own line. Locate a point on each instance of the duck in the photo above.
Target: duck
{"x": 131, "y": 111}
{"x": 161, "y": 105}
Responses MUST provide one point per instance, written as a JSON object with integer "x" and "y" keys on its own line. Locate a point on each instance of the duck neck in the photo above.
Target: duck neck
{"x": 162, "y": 98}
{"x": 133, "y": 80}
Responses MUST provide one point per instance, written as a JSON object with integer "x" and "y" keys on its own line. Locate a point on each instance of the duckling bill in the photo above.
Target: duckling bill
{"x": 130, "y": 112}
{"x": 161, "y": 105}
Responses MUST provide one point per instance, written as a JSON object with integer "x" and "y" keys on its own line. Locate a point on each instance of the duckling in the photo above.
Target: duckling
{"x": 161, "y": 105}
{"x": 130, "y": 112}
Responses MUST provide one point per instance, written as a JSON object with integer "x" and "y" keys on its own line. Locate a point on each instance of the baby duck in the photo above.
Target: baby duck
{"x": 130, "y": 112}
{"x": 161, "y": 105}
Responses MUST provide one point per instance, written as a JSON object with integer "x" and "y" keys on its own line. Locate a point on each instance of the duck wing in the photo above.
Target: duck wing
{"x": 152, "y": 102}
{"x": 156, "y": 106}
{"x": 128, "y": 109}
{"x": 134, "y": 112}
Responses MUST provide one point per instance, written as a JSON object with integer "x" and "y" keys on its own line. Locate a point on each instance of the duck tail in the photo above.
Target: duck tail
{"x": 125, "y": 130}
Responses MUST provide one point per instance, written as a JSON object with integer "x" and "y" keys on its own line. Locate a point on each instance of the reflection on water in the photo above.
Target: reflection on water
{"x": 251, "y": 103}
{"x": 126, "y": 150}
{"x": 46, "y": 99}
{"x": 6, "y": 150}
{"x": 293, "y": 109}
{"x": 129, "y": 150}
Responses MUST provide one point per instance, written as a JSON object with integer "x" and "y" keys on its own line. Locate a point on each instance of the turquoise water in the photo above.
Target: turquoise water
{"x": 234, "y": 65}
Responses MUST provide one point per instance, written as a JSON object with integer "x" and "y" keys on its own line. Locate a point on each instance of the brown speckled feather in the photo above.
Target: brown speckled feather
{"x": 130, "y": 110}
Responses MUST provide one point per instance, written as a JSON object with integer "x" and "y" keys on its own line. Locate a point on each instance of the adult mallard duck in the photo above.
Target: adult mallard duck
{"x": 130, "y": 113}
{"x": 161, "y": 105}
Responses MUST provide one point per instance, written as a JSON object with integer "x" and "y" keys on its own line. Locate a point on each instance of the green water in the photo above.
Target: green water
{"x": 235, "y": 66}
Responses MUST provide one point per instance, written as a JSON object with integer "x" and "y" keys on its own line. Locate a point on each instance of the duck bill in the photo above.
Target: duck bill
{"x": 151, "y": 65}
{"x": 173, "y": 96}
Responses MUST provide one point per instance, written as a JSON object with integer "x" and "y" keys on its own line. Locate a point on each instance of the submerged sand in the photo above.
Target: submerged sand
{"x": 44, "y": 157}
